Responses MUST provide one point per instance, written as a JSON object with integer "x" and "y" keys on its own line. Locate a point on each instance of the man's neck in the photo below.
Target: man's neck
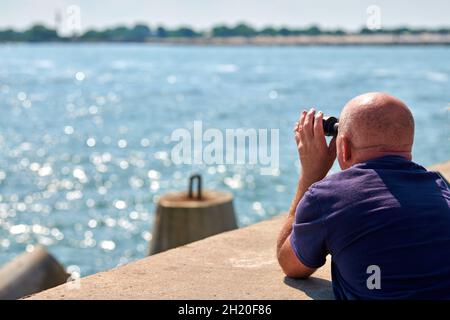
{"x": 381, "y": 153}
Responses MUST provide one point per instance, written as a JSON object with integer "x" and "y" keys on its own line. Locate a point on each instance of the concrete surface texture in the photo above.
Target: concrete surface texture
{"x": 239, "y": 264}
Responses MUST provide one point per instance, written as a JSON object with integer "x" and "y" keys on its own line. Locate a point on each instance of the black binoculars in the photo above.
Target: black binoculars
{"x": 330, "y": 126}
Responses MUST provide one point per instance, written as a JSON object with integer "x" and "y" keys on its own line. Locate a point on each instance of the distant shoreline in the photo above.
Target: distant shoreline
{"x": 431, "y": 39}
{"x": 241, "y": 34}
{"x": 332, "y": 40}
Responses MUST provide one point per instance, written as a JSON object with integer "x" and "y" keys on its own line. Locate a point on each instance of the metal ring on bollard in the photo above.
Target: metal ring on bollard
{"x": 197, "y": 177}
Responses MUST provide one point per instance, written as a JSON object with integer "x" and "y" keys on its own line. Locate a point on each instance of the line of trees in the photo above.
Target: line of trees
{"x": 36, "y": 33}
{"x": 142, "y": 33}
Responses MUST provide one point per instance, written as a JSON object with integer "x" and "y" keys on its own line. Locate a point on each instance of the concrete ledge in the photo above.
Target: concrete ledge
{"x": 443, "y": 168}
{"x": 240, "y": 264}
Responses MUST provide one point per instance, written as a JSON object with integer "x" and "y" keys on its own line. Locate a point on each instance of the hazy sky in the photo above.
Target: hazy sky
{"x": 348, "y": 14}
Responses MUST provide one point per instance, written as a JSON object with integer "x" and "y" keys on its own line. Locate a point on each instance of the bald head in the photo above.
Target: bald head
{"x": 377, "y": 122}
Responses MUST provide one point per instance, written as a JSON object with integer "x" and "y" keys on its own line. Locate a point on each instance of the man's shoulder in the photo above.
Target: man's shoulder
{"x": 344, "y": 188}
{"x": 393, "y": 167}
{"x": 344, "y": 178}
{"x": 375, "y": 178}
{"x": 336, "y": 191}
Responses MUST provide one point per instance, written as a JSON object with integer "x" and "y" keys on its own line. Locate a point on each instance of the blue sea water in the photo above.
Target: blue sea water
{"x": 85, "y": 131}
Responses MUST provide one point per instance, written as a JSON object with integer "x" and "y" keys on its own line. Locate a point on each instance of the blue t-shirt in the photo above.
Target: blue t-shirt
{"x": 387, "y": 212}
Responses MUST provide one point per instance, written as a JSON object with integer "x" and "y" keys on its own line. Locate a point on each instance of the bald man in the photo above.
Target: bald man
{"x": 384, "y": 220}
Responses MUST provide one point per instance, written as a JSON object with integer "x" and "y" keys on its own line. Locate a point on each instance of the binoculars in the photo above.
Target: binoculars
{"x": 330, "y": 126}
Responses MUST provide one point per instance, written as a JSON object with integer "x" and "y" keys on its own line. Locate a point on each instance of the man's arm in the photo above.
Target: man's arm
{"x": 287, "y": 259}
{"x": 316, "y": 160}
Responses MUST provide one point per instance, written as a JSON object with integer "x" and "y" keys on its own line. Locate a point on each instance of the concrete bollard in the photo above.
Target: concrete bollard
{"x": 183, "y": 217}
{"x": 29, "y": 273}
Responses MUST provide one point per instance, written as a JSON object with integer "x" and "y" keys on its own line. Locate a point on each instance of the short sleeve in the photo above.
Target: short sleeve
{"x": 308, "y": 237}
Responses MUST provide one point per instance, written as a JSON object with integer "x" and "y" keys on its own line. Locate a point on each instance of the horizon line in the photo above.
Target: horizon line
{"x": 230, "y": 25}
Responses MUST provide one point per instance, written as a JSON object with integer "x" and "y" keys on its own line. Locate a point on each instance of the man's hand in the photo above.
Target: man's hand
{"x": 315, "y": 156}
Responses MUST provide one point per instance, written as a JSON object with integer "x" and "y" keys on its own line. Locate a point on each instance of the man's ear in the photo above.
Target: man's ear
{"x": 346, "y": 151}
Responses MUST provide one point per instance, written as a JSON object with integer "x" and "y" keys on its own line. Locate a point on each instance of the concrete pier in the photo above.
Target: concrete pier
{"x": 239, "y": 264}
